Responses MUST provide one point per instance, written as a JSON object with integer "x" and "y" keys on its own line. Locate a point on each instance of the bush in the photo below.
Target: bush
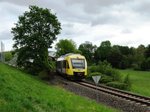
{"x": 106, "y": 69}
{"x": 52, "y": 65}
{"x": 135, "y": 66}
{"x": 127, "y": 82}
{"x": 104, "y": 78}
{"x": 8, "y": 56}
{"x": 89, "y": 77}
{"x": 95, "y": 74}
{"x": 118, "y": 85}
{"x": 44, "y": 75}
{"x": 145, "y": 65}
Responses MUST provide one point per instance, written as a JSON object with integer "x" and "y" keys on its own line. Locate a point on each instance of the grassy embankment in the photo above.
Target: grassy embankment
{"x": 20, "y": 92}
{"x": 140, "y": 81}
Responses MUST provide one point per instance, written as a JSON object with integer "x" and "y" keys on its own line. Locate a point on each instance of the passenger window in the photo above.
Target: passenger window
{"x": 67, "y": 64}
{"x": 64, "y": 64}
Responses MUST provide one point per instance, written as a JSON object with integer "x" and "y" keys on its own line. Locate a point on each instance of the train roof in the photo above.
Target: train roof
{"x": 66, "y": 55}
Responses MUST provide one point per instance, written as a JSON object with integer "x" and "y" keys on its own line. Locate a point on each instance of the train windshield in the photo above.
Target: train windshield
{"x": 78, "y": 63}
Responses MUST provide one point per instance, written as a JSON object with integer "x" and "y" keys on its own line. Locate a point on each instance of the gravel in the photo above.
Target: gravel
{"x": 101, "y": 97}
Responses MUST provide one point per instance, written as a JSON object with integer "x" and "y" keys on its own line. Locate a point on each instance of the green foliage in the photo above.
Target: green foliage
{"x": 118, "y": 85}
{"x": 44, "y": 75}
{"x": 106, "y": 71}
{"x": 102, "y": 51}
{"x": 145, "y": 65}
{"x": 65, "y": 46}
{"x": 104, "y": 78}
{"x": 33, "y": 35}
{"x": 147, "y": 51}
{"x": 127, "y": 81}
{"x": 87, "y": 49}
{"x": 115, "y": 57}
{"x": 139, "y": 80}
{"x": 20, "y": 92}
{"x": 52, "y": 65}
{"x": 122, "y": 56}
{"x": 95, "y": 74}
{"x": 8, "y": 56}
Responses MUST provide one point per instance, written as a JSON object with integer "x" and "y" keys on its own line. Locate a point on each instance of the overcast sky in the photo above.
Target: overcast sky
{"x": 123, "y": 22}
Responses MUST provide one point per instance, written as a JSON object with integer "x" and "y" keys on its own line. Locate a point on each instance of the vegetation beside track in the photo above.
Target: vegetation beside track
{"x": 20, "y": 92}
{"x": 140, "y": 81}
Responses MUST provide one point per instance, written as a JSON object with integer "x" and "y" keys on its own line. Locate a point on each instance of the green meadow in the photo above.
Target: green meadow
{"x": 140, "y": 81}
{"x": 21, "y": 92}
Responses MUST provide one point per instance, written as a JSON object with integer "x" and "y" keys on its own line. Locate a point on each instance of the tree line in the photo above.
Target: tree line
{"x": 118, "y": 56}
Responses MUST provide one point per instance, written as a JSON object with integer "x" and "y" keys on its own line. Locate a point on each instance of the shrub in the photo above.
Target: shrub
{"x": 89, "y": 77}
{"x": 127, "y": 82}
{"x": 8, "y": 56}
{"x": 118, "y": 85}
{"x": 95, "y": 74}
{"x": 106, "y": 79}
{"x": 136, "y": 66}
{"x": 145, "y": 65}
{"x": 93, "y": 68}
{"x": 44, "y": 75}
{"x": 106, "y": 69}
{"x": 52, "y": 65}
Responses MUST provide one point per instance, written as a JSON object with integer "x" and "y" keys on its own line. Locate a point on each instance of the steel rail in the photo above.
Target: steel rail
{"x": 128, "y": 96}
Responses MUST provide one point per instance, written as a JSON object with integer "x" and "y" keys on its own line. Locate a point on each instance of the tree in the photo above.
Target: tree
{"x": 65, "y": 46}
{"x": 115, "y": 57}
{"x": 87, "y": 50}
{"x": 102, "y": 51}
{"x": 147, "y": 51}
{"x": 139, "y": 56}
{"x": 33, "y": 35}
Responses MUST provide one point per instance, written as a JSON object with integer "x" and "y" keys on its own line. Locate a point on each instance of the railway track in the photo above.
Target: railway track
{"x": 144, "y": 101}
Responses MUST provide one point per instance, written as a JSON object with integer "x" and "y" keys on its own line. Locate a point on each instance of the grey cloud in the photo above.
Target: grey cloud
{"x": 88, "y": 11}
{"x": 126, "y": 31}
{"x": 95, "y": 6}
{"x": 102, "y": 37}
{"x": 142, "y": 7}
{"x": 93, "y": 3}
{"x": 5, "y": 35}
{"x": 68, "y": 25}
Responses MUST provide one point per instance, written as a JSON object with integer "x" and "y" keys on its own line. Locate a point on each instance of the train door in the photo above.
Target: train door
{"x": 64, "y": 66}
{"x": 67, "y": 67}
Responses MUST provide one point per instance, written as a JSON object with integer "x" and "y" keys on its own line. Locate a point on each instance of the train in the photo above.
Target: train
{"x": 72, "y": 66}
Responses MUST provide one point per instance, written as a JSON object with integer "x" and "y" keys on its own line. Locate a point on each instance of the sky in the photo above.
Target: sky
{"x": 122, "y": 22}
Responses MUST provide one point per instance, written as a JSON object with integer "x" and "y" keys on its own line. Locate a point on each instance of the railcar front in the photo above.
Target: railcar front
{"x": 72, "y": 65}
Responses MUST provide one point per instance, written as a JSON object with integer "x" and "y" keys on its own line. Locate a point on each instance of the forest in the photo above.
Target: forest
{"x": 118, "y": 56}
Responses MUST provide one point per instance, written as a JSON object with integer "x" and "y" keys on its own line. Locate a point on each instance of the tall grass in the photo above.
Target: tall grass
{"x": 140, "y": 81}
{"x": 20, "y": 92}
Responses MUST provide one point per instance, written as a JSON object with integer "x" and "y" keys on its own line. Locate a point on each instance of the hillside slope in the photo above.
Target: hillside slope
{"x": 20, "y": 92}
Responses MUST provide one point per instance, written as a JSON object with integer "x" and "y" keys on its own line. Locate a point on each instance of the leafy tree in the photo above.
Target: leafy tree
{"x": 147, "y": 51}
{"x": 125, "y": 50}
{"x": 115, "y": 57}
{"x": 139, "y": 56}
{"x": 102, "y": 51}
{"x": 65, "y": 46}
{"x": 33, "y": 35}
{"x": 145, "y": 65}
{"x": 87, "y": 50}
{"x": 126, "y": 53}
